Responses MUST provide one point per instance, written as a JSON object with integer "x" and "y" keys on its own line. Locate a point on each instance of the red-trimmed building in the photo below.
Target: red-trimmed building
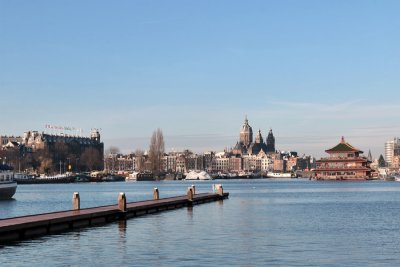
{"x": 344, "y": 163}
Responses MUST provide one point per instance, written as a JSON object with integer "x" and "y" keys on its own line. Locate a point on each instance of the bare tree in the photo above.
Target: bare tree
{"x": 91, "y": 158}
{"x": 139, "y": 155}
{"x": 112, "y": 150}
{"x": 111, "y": 155}
{"x": 156, "y": 150}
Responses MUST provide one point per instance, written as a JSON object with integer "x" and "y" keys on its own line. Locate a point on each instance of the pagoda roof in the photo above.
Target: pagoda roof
{"x": 343, "y": 146}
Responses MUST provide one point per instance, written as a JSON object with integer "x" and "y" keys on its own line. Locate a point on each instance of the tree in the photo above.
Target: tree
{"x": 111, "y": 154}
{"x": 91, "y": 158}
{"x": 381, "y": 162}
{"x": 156, "y": 150}
{"x": 139, "y": 155}
{"x": 112, "y": 150}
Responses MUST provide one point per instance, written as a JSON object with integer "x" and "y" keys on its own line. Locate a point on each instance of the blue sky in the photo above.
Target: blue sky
{"x": 313, "y": 71}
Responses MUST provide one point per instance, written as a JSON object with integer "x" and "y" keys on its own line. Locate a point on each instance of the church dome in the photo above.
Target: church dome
{"x": 246, "y": 128}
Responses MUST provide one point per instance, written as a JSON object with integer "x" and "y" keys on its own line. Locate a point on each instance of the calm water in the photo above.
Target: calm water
{"x": 263, "y": 223}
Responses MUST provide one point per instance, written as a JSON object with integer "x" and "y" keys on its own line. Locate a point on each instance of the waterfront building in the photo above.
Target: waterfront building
{"x": 221, "y": 162}
{"x": 181, "y": 164}
{"x": 396, "y": 162}
{"x": 169, "y": 163}
{"x": 235, "y": 164}
{"x": 126, "y": 162}
{"x": 4, "y": 140}
{"x": 305, "y": 163}
{"x": 279, "y": 165}
{"x": 195, "y": 162}
{"x": 392, "y": 148}
{"x": 86, "y": 153}
{"x": 291, "y": 164}
{"x": 344, "y": 163}
{"x": 266, "y": 164}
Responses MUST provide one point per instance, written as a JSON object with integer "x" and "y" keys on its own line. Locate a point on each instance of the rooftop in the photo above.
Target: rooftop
{"x": 343, "y": 146}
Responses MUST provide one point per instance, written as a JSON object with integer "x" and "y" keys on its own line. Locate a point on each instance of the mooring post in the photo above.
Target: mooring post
{"x": 122, "y": 202}
{"x": 190, "y": 194}
{"x": 194, "y": 189}
{"x": 156, "y": 194}
{"x": 76, "y": 201}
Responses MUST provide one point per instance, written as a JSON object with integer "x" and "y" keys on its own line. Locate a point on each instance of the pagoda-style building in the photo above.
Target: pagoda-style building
{"x": 344, "y": 163}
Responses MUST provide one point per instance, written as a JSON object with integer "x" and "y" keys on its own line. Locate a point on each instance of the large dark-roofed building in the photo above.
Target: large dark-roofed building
{"x": 246, "y": 146}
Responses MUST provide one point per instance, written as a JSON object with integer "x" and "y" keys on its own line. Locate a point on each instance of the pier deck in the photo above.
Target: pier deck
{"x": 26, "y": 227}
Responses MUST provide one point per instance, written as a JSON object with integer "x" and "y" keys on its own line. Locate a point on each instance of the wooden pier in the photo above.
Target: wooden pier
{"x": 27, "y": 227}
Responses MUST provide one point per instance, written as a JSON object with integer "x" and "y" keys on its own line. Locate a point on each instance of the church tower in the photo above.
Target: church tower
{"x": 259, "y": 139}
{"x": 246, "y": 134}
{"x": 270, "y": 142}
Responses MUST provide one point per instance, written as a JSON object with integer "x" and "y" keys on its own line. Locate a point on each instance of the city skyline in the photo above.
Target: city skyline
{"x": 312, "y": 71}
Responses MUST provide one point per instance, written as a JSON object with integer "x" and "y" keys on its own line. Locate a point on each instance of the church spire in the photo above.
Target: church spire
{"x": 369, "y": 155}
{"x": 259, "y": 139}
{"x": 270, "y": 141}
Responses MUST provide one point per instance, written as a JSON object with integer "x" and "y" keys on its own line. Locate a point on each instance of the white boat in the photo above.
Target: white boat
{"x": 54, "y": 177}
{"x": 244, "y": 174}
{"x": 132, "y": 177}
{"x": 8, "y": 186}
{"x": 193, "y": 175}
{"x": 279, "y": 175}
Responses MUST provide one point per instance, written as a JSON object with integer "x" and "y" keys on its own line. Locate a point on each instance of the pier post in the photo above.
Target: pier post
{"x": 156, "y": 194}
{"x": 220, "y": 190}
{"x": 76, "y": 201}
{"x": 194, "y": 189}
{"x": 122, "y": 202}
{"x": 190, "y": 194}
{"x": 217, "y": 188}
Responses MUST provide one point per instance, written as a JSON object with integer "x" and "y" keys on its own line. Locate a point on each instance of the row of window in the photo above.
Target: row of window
{"x": 6, "y": 177}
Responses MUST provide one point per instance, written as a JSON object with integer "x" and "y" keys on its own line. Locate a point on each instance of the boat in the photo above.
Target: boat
{"x": 8, "y": 186}
{"x": 170, "y": 176}
{"x": 140, "y": 176}
{"x": 244, "y": 175}
{"x": 113, "y": 178}
{"x": 279, "y": 175}
{"x": 193, "y": 175}
{"x": 132, "y": 177}
{"x": 54, "y": 179}
{"x": 82, "y": 178}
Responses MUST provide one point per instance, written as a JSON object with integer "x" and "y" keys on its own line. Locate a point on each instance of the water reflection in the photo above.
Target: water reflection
{"x": 122, "y": 229}
{"x": 189, "y": 212}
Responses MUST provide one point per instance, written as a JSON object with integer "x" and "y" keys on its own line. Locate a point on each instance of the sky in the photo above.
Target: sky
{"x": 313, "y": 71}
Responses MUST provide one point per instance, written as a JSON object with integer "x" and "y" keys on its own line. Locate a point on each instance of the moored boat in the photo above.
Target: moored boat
{"x": 8, "y": 186}
{"x": 140, "y": 176}
{"x": 193, "y": 175}
{"x": 279, "y": 175}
